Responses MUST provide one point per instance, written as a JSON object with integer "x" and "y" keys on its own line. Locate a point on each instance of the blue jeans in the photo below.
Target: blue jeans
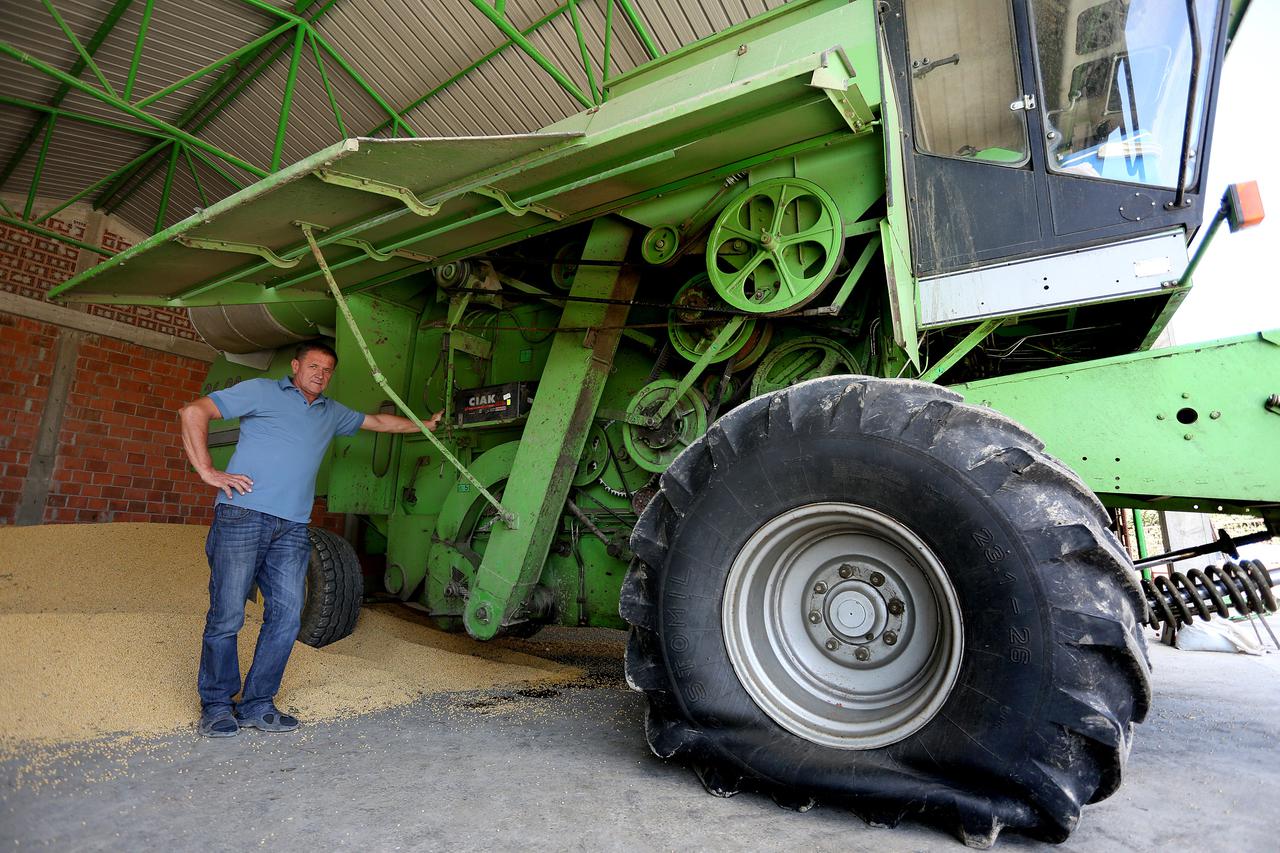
{"x": 246, "y": 546}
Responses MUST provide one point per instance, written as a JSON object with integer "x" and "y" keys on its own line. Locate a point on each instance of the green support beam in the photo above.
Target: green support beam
{"x": 555, "y": 433}
{"x": 633, "y": 18}
{"x": 128, "y": 109}
{"x": 529, "y": 30}
{"x": 39, "y": 170}
{"x": 1190, "y": 414}
{"x": 86, "y": 58}
{"x": 517, "y": 38}
{"x": 54, "y": 235}
{"x": 108, "y": 200}
{"x": 104, "y": 29}
{"x": 158, "y": 147}
{"x": 939, "y": 368}
{"x": 143, "y": 27}
{"x": 286, "y": 100}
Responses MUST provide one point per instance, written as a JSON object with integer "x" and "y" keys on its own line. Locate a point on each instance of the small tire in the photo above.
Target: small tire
{"x": 1021, "y": 707}
{"x": 334, "y": 589}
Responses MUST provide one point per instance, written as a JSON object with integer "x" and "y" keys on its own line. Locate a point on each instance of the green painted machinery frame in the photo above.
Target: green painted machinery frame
{"x": 1184, "y": 428}
{"x": 674, "y": 143}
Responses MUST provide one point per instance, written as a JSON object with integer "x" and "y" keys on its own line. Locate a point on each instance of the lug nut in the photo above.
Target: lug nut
{"x": 846, "y": 571}
{"x": 890, "y": 637}
{"x": 832, "y": 644}
{"x": 815, "y": 617}
{"x": 877, "y": 579}
{"x": 862, "y": 654}
{"x": 896, "y": 607}
{"x": 819, "y": 587}
{"x": 871, "y": 635}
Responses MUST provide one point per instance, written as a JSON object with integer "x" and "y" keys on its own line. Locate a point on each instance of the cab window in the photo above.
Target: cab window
{"x": 1115, "y": 78}
{"x": 964, "y": 80}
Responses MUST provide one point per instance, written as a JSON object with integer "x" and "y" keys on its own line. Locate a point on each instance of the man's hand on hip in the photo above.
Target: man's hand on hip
{"x": 222, "y": 480}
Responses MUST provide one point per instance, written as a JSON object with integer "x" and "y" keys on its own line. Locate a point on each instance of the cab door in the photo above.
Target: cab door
{"x": 973, "y": 186}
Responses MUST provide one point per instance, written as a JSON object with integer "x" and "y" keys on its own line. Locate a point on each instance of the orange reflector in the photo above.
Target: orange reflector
{"x": 1244, "y": 205}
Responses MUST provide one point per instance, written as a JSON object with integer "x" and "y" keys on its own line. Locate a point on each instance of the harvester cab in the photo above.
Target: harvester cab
{"x": 689, "y": 344}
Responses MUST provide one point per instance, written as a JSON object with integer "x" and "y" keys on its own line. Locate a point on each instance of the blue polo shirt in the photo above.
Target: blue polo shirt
{"x": 282, "y": 442}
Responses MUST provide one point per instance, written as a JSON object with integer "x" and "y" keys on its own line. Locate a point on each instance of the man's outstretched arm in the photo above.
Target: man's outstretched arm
{"x": 195, "y": 418}
{"x": 395, "y": 423}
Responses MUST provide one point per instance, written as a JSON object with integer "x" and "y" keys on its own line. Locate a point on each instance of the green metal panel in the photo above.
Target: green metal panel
{"x": 555, "y": 432}
{"x": 263, "y": 214}
{"x": 1168, "y": 428}
{"x": 363, "y": 476}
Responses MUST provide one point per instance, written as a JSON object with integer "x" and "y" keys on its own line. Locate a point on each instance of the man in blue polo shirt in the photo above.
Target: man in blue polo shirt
{"x": 259, "y": 531}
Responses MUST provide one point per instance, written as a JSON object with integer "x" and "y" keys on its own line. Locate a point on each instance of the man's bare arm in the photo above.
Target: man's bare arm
{"x": 195, "y": 418}
{"x": 395, "y": 423}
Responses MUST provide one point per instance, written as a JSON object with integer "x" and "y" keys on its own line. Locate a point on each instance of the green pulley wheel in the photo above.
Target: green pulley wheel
{"x": 654, "y": 447}
{"x": 594, "y": 458}
{"x": 775, "y": 246}
{"x": 800, "y": 359}
{"x": 692, "y": 329}
{"x": 660, "y": 245}
{"x": 566, "y": 264}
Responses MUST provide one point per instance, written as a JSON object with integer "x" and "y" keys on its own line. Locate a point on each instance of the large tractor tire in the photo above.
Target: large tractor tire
{"x": 867, "y": 593}
{"x": 334, "y": 589}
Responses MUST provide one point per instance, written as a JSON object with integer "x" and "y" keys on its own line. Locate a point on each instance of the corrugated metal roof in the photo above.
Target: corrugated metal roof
{"x": 404, "y": 49}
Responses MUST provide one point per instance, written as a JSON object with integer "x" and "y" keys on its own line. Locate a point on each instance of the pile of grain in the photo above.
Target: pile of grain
{"x": 101, "y": 624}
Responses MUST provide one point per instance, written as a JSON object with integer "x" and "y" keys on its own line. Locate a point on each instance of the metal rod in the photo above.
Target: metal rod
{"x": 554, "y": 13}
{"x": 582, "y": 48}
{"x": 608, "y": 45}
{"x": 1225, "y": 544}
{"x": 1193, "y": 22}
{"x": 54, "y": 235}
{"x": 591, "y": 526}
{"x": 159, "y": 146}
{"x": 165, "y": 190}
{"x": 48, "y": 112}
{"x": 260, "y": 41}
{"x": 213, "y": 164}
{"x": 137, "y": 50}
{"x": 129, "y": 109}
{"x": 1214, "y": 225}
{"x": 328, "y": 88}
{"x": 39, "y": 170}
{"x": 104, "y": 29}
{"x": 360, "y": 81}
{"x": 197, "y": 108}
{"x": 960, "y": 350}
{"x": 85, "y": 56}
{"x": 286, "y": 102}
{"x": 512, "y": 33}
{"x": 1140, "y": 537}
{"x": 195, "y": 176}
{"x": 507, "y": 517}
{"x": 636, "y": 24}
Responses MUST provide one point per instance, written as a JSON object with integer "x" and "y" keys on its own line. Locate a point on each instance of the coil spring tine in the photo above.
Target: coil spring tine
{"x": 1176, "y": 599}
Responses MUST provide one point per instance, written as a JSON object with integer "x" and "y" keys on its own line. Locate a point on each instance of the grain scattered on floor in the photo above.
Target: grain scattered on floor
{"x": 101, "y": 629}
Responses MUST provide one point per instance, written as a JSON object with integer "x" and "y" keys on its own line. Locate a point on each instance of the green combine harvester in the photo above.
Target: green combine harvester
{"x": 819, "y": 357}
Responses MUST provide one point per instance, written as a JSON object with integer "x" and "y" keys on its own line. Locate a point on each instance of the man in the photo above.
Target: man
{"x": 259, "y": 531}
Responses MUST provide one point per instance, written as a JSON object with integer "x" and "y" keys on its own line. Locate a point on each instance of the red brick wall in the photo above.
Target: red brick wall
{"x": 119, "y": 455}
{"x": 30, "y": 265}
{"x": 26, "y": 351}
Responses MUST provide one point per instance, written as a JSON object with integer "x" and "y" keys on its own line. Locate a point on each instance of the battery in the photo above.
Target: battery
{"x": 493, "y": 404}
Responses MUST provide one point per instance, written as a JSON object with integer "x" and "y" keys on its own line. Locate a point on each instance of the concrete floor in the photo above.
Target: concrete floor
{"x": 570, "y": 771}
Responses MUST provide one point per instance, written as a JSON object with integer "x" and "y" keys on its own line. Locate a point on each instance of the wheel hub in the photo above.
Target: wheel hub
{"x": 842, "y": 625}
{"x": 857, "y": 606}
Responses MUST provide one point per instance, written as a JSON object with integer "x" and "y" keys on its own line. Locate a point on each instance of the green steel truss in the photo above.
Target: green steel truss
{"x": 291, "y": 39}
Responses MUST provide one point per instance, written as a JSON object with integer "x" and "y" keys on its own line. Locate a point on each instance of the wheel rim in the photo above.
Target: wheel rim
{"x": 842, "y": 625}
